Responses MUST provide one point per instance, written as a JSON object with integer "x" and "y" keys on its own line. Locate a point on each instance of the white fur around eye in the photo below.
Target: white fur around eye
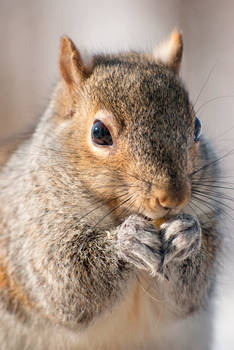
{"x": 109, "y": 122}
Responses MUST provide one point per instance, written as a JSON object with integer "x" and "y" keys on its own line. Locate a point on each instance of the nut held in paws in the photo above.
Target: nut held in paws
{"x": 159, "y": 222}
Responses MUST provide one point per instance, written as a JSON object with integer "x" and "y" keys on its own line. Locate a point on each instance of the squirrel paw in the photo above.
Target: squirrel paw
{"x": 181, "y": 237}
{"x": 138, "y": 243}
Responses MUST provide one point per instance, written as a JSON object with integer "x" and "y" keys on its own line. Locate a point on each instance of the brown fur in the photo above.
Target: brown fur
{"x": 82, "y": 260}
{"x": 17, "y": 300}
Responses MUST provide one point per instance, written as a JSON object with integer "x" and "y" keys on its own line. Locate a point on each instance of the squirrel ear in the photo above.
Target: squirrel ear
{"x": 72, "y": 68}
{"x": 169, "y": 52}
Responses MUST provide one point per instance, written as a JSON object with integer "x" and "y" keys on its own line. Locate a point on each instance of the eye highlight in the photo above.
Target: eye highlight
{"x": 197, "y": 130}
{"x": 101, "y": 134}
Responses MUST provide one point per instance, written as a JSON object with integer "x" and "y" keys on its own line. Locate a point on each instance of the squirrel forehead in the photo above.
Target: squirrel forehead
{"x": 151, "y": 104}
{"x": 133, "y": 87}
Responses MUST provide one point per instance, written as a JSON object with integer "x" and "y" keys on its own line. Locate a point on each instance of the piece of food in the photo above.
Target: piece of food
{"x": 158, "y": 222}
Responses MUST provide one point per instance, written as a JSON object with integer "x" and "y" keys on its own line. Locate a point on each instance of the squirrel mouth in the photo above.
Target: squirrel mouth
{"x": 167, "y": 216}
{"x": 156, "y": 217}
{"x": 147, "y": 218}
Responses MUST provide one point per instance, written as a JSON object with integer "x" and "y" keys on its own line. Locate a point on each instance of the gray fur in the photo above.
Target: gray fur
{"x": 75, "y": 259}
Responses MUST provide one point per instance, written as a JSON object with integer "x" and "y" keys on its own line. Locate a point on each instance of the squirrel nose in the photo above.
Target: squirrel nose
{"x": 173, "y": 199}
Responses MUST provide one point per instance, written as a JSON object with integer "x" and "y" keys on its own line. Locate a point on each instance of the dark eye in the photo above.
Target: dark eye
{"x": 100, "y": 134}
{"x": 197, "y": 130}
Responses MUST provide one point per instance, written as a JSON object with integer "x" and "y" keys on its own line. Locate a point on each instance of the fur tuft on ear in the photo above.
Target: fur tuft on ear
{"x": 72, "y": 68}
{"x": 169, "y": 52}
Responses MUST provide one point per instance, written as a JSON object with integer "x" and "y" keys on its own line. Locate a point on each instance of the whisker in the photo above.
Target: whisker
{"x": 128, "y": 207}
{"x": 111, "y": 211}
{"x": 214, "y": 194}
{"x": 199, "y": 208}
{"x": 209, "y": 206}
{"x": 198, "y": 184}
{"x": 116, "y": 186}
{"x": 213, "y": 99}
{"x": 220, "y": 177}
{"x": 192, "y": 205}
{"x": 213, "y": 199}
{"x": 204, "y": 85}
{"x": 210, "y": 181}
{"x": 210, "y": 213}
{"x": 103, "y": 204}
{"x": 135, "y": 177}
{"x": 212, "y": 163}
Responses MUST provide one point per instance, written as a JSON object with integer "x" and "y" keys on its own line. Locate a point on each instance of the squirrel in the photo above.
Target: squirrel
{"x": 82, "y": 263}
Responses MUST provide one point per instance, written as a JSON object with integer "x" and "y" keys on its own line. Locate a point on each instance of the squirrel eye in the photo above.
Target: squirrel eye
{"x": 197, "y": 130}
{"x": 100, "y": 134}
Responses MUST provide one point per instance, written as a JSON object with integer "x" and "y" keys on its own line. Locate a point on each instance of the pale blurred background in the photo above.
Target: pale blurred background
{"x": 29, "y": 41}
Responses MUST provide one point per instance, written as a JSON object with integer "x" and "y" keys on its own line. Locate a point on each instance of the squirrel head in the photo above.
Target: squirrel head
{"x": 129, "y": 128}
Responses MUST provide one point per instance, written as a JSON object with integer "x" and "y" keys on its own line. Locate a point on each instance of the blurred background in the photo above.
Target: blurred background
{"x": 29, "y": 41}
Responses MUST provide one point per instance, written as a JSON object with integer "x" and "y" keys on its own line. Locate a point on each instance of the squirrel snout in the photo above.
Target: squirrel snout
{"x": 173, "y": 199}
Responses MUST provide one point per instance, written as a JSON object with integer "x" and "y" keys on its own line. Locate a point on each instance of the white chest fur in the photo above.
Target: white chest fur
{"x": 138, "y": 322}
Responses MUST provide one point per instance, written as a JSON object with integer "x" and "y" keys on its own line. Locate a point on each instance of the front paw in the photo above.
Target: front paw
{"x": 139, "y": 244}
{"x": 181, "y": 237}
